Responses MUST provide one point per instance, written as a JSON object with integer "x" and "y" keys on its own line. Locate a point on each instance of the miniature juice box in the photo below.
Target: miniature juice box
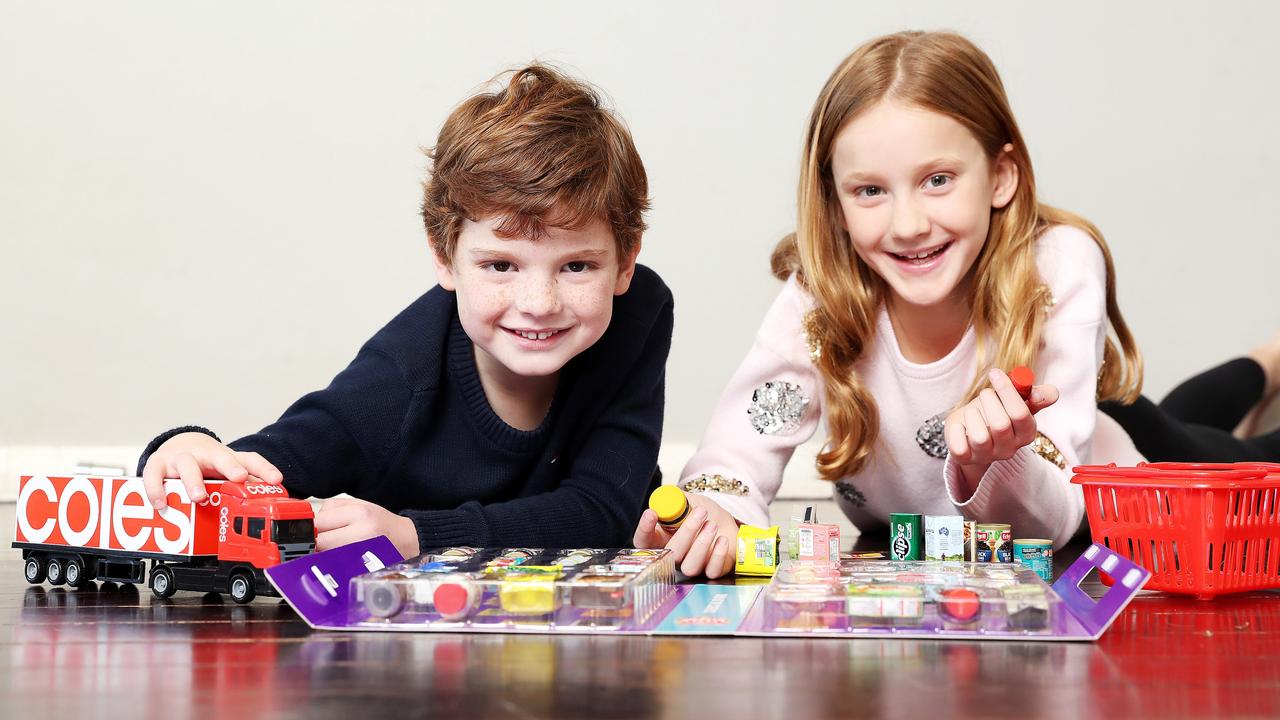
{"x": 818, "y": 543}
{"x": 943, "y": 537}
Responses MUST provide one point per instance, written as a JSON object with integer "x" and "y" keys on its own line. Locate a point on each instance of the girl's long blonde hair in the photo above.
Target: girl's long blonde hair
{"x": 947, "y": 74}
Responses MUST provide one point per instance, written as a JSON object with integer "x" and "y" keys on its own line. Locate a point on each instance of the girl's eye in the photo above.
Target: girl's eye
{"x": 936, "y": 181}
{"x": 869, "y": 191}
{"x": 499, "y": 266}
{"x": 577, "y": 266}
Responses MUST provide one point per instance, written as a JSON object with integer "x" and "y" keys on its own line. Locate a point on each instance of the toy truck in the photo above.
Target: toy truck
{"x": 78, "y": 528}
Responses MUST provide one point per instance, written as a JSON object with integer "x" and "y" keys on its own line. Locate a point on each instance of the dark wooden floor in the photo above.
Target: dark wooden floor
{"x": 114, "y": 651}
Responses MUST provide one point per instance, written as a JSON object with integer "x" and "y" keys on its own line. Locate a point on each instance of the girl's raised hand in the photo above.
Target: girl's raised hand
{"x": 704, "y": 544}
{"x": 194, "y": 456}
{"x": 994, "y": 425}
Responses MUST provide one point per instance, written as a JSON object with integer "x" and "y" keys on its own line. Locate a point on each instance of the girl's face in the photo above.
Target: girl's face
{"x": 916, "y": 192}
{"x": 530, "y": 306}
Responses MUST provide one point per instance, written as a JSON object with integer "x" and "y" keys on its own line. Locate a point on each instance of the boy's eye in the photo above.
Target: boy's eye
{"x": 499, "y": 266}
{"x": 577, "y": 266}
{"x": 937, "y": 181}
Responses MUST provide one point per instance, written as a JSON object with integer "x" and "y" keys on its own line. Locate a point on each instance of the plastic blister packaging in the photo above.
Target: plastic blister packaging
{"x": 511, "y": 588}
{"x": 911, "y": 597}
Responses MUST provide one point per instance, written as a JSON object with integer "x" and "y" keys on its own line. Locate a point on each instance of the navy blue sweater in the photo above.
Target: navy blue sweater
{"x": 407, "y": 425}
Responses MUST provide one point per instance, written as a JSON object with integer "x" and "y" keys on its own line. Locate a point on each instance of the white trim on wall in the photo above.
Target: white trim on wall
{"x": 112, "y": 459}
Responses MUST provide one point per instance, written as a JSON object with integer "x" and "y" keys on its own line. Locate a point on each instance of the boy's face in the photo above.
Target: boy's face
{"x": 532, "y": 305}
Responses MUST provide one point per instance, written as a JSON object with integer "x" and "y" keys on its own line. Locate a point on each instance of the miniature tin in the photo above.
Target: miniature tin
{"x": 904, "y": 536}
{"x": 1036, "y": 555}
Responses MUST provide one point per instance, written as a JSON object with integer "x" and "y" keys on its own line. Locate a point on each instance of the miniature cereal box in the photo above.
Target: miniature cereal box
{"x": 757, "y": 550}
{"x": 943, "y": 537}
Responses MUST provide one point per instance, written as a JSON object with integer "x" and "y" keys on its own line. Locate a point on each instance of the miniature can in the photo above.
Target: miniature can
{"x": 994, "y": 543}
{"x": 970, "y": 541}
{"x": 1037, "y": 555}
{"x": 904, "y": 536}
{"x": 943, "y": 537}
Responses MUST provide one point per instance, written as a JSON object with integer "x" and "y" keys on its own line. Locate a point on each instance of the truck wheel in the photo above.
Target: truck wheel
{"x": 241, "y": 588}
{"x": 162, "y": 582}
{"x": 75, "y": 573}
{"x": 33, "y": 570}
{"x": 55, "y": 573}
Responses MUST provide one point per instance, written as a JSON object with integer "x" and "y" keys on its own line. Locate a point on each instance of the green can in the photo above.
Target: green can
{"x": 1036, "y": 555}
{"x": 905, "y": 532}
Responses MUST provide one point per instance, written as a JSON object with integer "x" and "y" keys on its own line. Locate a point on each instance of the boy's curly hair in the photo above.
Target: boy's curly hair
{"x": 539, "y": 152}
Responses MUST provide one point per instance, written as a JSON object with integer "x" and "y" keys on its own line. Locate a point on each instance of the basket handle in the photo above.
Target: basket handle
{"x": 1178, "y": 471}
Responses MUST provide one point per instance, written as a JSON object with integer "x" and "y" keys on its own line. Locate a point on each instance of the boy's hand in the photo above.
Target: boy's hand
{"x": 194, "y": 456}
{"x": 994, "y": 425}
{"x": 341, "y": 521}
{"x": 705, "y": 543}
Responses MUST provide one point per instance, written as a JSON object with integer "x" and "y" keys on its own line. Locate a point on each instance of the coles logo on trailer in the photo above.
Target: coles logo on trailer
{"x": 104, "y": 513}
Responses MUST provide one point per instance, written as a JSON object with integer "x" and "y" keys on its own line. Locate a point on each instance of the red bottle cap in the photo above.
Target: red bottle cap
{"x": 451, "y": 598}
{"x": 961, "y": 603}
{"x": 1022, "y": 379}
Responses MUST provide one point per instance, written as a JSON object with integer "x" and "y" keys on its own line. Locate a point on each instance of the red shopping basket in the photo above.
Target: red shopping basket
{"x": 1202, "y": 529}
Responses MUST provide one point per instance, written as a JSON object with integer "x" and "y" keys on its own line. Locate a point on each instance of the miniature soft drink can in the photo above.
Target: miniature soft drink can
{"x": 904, "y": 536}
{"x": 1036, "y": 555}
{"x": 994, "y": 543}
{"x": 943, "y": 537}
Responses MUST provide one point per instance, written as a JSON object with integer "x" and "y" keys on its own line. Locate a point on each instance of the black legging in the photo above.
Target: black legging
{"x": 1194, "y": 421}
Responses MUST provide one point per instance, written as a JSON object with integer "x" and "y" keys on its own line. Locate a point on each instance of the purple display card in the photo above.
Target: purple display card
{"x": 317, "y": 587}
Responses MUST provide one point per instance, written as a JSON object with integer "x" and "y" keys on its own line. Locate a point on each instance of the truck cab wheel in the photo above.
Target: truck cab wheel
{"x": 75, "y": 573}
{"x": 241, "y": 588}
{"x": 162, "y": 582}
{"x": 55, "y": 572}
{"x": 33, "y": 570}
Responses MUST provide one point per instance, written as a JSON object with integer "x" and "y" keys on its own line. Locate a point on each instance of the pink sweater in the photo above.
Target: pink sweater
{"x": 752, "y": 442}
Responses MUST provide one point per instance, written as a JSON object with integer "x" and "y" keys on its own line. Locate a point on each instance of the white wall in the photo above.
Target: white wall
{"x": 205, "y": 208}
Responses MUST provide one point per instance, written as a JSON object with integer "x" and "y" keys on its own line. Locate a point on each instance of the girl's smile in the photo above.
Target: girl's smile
{"x": 916, "y": 190}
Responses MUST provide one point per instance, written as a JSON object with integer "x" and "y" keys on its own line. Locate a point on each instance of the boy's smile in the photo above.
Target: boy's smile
{"x": 530, "y": 306}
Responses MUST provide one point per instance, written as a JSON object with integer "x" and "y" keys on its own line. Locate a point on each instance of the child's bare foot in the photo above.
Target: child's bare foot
{"x": 1268, "y": 356}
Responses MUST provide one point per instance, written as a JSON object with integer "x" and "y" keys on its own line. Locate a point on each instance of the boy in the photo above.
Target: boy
{"x": 520, "y": 401}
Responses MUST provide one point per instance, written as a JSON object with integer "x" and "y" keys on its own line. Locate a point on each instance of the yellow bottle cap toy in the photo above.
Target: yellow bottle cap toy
{"x": 670, "y": 504}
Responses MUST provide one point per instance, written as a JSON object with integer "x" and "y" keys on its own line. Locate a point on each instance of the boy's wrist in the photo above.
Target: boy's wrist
{"x": 168, "y": 435}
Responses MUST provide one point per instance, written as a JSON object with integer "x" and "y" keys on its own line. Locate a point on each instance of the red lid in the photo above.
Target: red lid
{"x": 451, "y": 598}
{"x": 960, "y": 603}
{"x": 1022, "y": 379}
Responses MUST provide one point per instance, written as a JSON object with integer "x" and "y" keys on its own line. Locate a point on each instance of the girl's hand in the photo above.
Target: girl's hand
{"x": 705, "y": 543}
{"x": 341, "y": 521}
{"x": 194, "y": 456}
{"x": 994, "y": 425}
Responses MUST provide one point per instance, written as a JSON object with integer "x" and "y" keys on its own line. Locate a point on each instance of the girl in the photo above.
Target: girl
{"x": 922, "y": 265}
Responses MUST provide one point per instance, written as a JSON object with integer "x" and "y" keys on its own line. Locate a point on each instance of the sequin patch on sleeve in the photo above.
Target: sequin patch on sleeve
{"x": 932, "y": 438}
{"x": 777, "y": 407}
{"x": 715, "y": 483}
